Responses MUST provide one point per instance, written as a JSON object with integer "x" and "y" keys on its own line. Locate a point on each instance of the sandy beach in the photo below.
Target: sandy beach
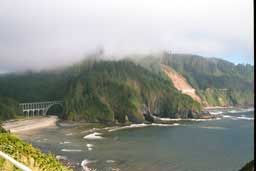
{"x": 30, "y": 124}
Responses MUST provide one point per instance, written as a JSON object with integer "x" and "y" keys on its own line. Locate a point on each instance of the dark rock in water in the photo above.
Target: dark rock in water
{"x": 194, "y": 115}
{"x": 188, "y": 114}
{"x": 248, "y": 166}
{"x": 202, "y": 115}
{"x": 149, "y": 117}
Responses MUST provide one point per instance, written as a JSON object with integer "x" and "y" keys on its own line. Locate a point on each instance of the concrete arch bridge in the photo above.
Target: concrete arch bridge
{"x": 38, "y": 108}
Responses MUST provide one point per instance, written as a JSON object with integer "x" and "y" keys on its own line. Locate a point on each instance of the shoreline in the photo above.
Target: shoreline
{"x": 227, "y": 107}
{"x": 37, "y": 123}
{"x": 29, "y": 124}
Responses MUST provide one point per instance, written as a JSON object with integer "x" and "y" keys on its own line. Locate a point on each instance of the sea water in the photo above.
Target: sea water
{"x": 224, "y": 144}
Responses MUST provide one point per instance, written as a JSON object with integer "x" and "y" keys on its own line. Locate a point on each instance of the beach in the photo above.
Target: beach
{"x": 28, "y": 124}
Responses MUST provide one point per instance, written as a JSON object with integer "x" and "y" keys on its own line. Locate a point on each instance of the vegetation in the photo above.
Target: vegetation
{"x": 27, "y": 155}
{"x": 218, "y": 82}
{"x": 9, "y": 108}
{"x": 248, "y": 166}
{"x": 107, "y": 91}
{"x": 115, "y": 90}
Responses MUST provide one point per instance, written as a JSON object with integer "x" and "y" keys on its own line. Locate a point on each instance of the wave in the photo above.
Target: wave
{"x": 71, "y": 150}
{"x": 85, "y": 163}
{"x": 213, "y": 127}
{"x": 65, "y": 142}
{"x": 91, "y": 130}
{"x": 69, "y": 134}
{"x": 169, "y": 119}
{"x": 60, "y": 157}
{"x": 141, "y": 125}
{"x": 89, "y": 146}
{"x": 244, "y": 118}
{"x": 227, "y": 116}
{"x": 190, "y": 119}
{"x": 235, "y": 111}
{"x": 237, "y": 117}
{"x": 215, "y": 112}
{"x": 93, "y": 136}
{"x": 110, "y": 161}
{"x": 156, "y": 124}
{"x": 241, "y": 110}
{"x": 129, "y": 126}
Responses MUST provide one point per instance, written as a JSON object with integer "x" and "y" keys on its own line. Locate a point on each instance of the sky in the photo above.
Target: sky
{"x": 49, "y": 33}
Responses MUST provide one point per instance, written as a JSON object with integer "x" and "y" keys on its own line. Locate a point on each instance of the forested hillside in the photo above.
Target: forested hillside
{"x": 218, "y": 82}
{"x": 101, "y": 91}
{"x": 121, "y": 90}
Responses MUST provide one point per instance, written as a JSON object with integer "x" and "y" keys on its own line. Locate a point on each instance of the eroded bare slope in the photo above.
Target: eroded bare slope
{"x": 180, "y": 82}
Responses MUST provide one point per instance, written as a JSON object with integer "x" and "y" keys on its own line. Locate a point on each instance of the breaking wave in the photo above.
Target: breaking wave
{"x": 71, "y": 150}
{"x": 93, "y": 136}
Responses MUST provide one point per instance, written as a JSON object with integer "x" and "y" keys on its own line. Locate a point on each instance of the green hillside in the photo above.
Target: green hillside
{"x": 219, "y": 82}
{"x": 101, "y": 91}
{"x": 26, "y": 154}
{"x": 108, "y": 91}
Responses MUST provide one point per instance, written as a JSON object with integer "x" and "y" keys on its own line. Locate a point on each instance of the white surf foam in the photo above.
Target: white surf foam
{"x": 244, "y": 118}
{"x": 156, "y": 124}
{"x": 227, "y": 116}
{"x": 110, "y": 161}
{"x": 191, "y": 119}
{"x": 71, "y": 150}
{"x": 60, "y": 157}
{"x": 169, "y": 119}
{"x": 241, "y": 110}
{"x": 91, "y": 130}
{"x": 215, "y": 112}
{"x": 129, "y": 126}
{"x": 65, "y": 142}
{"x": 213, "y": 127}
{"x": 93, "y": 136}
{"x": 84, "y": 164}
{"x": 234, "y": 111}
{"x": 89, "y": 145}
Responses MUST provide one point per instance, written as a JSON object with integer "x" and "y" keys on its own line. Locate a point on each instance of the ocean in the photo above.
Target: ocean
{"x": 224, "y": 144}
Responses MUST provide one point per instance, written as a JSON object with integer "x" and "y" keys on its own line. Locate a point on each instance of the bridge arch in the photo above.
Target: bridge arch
{"x": 56, "y": 109}
{"x": 40, "y": 108}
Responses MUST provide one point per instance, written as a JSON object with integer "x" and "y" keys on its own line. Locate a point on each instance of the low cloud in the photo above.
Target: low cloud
{"x": 49, "y": 33}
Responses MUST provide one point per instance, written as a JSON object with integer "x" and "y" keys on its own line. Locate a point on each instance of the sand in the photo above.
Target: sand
{"x": 30, "y": 124}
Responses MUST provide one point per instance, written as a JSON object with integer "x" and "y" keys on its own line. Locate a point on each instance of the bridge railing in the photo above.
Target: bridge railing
{"x": 14, "y": 162}
{"x": 42, "y": 102}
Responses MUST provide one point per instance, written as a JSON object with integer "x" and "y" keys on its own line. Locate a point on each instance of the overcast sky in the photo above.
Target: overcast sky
{"x": 39, "y": 34}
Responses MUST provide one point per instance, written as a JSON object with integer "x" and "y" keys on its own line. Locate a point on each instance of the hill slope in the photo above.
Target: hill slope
{"x": 26, "y": 154}
{"x": 102, "y": 91}
{"x": 180, "y": 82}
{"x": 116, "y": 90}
{"x": 217, "y": 82}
